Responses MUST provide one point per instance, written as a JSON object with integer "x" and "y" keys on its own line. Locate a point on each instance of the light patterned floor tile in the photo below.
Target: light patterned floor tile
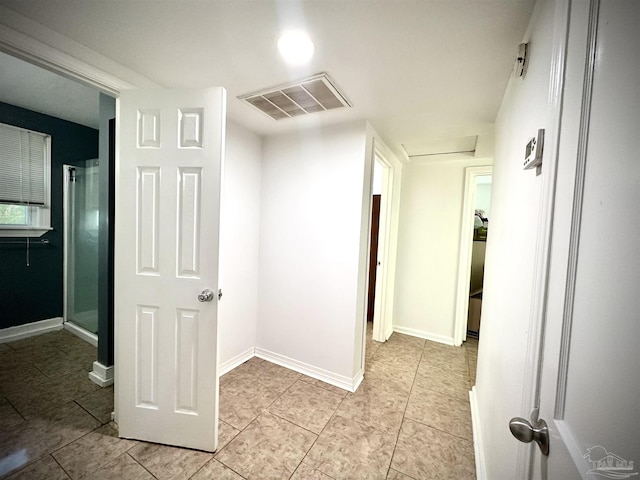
{"x": 242, "y": 401}
{"x": 425, "y": 453}
{"x": 123, "y": 467}
{"x": 395, "y": 475}
{"x": 306, "y": 405}
{"x": 226, "y": 433}
{"x": 357, "y": 442}
{"x": 169, "y": 463}
{"x": 214, "y": 470}
{"x": 321, "y": 384}
{"x": 347, "y": 450}
{"x": 444, "y": 412}
{"x": 92, "y": 452}
{"x": 375, "y": 406}
{"x": 45, "y": 434}
{"x": 99, "y": 404}
{"x": 305, "y": 472}
{"x": 45, "y": 468}
{"x": 442, "y": 381}
{"x": 269, "y": 448}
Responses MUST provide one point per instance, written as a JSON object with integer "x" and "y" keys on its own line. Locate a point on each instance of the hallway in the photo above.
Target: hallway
{"x": 409, "y": 419}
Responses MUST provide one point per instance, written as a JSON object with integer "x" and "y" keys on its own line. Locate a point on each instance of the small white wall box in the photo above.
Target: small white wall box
{"x": 533, "y": 154}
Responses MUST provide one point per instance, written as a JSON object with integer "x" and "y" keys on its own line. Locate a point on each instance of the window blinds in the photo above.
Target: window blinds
{"x": 23, "y": 166}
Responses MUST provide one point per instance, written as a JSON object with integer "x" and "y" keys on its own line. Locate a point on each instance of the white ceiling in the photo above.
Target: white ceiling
{"x": 36, "y": 89}
{"x": 418, "y": 70}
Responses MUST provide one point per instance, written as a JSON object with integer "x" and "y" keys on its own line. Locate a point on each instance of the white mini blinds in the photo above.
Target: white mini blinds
{"x": 24, "y": 166}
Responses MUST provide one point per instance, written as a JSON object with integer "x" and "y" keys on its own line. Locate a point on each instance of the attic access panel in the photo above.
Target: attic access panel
{"x": 310, "y": 95}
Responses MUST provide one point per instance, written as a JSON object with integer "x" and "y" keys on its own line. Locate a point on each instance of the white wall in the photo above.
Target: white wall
{"x": 239, "y": 232}
{"x": 376, "y": 188}
{"x": 509, "y": 267}
{"x": 310, "y": 236}
{"x": 428, "y": 246}
{"x": 483, "y": 196}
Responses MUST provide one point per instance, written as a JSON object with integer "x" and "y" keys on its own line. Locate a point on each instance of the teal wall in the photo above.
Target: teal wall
{"x": 106, "y": 233}
{"x": 29, "y": 294}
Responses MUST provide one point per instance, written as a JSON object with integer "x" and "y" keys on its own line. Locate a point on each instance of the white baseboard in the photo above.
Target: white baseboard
{"x": 340, "y": 381}
{"x": 30, "y": 329}
{"x": 434, "y": 337}
{"x": 85, "y": 335}
{"x": 101, "y": 375}
{"x": 235, "y": 361}
{"x": 478, "y": 447}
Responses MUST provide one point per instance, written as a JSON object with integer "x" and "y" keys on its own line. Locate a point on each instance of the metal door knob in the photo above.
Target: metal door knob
{"x": 205, "y": 296}
{"x": 525, "y": 432}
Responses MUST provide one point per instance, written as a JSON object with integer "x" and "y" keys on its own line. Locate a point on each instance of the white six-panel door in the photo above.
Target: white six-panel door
{"x": 168, "y": 183}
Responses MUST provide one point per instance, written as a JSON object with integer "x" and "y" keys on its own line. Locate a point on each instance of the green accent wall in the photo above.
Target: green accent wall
{"x": 32, "y": 293}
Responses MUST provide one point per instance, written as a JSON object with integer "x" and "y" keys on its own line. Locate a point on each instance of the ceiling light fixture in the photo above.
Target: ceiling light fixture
{"x": 295, "y": 47}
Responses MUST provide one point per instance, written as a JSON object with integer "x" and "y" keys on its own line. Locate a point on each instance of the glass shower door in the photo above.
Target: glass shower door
{"x": 81, "y": 245}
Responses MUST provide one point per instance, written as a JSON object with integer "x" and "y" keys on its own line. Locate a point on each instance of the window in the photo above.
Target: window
{"x": 25, "y": 177}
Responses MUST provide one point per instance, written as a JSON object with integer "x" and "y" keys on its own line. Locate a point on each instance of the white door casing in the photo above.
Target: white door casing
{"x": 589, "y": 386}
{"x": 170, "y": 148}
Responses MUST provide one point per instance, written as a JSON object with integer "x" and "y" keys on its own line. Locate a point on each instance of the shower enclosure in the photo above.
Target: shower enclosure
{"x": 81, "y": 219}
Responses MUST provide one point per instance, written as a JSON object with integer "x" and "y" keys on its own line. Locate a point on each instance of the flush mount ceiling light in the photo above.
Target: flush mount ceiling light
{"x": 296, "y": 47}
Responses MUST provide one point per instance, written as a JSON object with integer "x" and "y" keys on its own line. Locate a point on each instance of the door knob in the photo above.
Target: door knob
{"x": 525, "y": 432}
{"x": 205, "y": 296}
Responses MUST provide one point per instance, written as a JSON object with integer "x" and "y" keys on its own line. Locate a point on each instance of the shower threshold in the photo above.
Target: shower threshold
{"x": 78, "y": 331}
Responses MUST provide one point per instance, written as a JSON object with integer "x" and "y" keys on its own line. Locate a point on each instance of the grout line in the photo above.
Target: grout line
{"x": 458, "y": 437}
{"x": 395, "y": 446}
{"x": 133, "y": 458}
{"x": 60, "y": 465}
{"x": 92, "y": 415}
{"x": 16, "y": 409}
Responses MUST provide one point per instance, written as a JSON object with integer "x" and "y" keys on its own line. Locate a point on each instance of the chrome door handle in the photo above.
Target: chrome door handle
{"x": 205, "y": 296}
{"x": 525, "y": 432}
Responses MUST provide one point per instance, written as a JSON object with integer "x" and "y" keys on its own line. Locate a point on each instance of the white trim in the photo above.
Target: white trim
{"x": 465, "y": 251}
{"x": 236, "y": 361}
{"x": 30, "y": 329}
{"x": 340, "y": 381}
{"x": 576, "y": 212}
{"x": 382, "y": 311}
{"x": 414, "y": 332}
{"x": 101, "y": 375}
{"x": 80, "y": 332}
{"x": 478, "y": 445}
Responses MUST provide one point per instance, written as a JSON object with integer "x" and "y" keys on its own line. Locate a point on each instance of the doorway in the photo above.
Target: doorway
{"x": 474, "y": 176}
{"x": 482, "y": 212}
{"x": 379, "y": 306}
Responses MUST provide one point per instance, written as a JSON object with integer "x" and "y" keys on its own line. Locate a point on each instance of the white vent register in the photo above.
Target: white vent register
{"x": 311, "y": 95}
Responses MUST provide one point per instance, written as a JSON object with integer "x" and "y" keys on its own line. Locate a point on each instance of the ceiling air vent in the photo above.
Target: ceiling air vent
{"x": 314, "y": 94}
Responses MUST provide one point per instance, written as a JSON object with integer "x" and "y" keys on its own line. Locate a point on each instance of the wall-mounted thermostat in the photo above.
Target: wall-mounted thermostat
{"x": 533, "y": 153}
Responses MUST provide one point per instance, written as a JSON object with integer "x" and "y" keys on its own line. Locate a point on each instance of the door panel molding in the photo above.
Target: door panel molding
{"x": 576, "y": 216}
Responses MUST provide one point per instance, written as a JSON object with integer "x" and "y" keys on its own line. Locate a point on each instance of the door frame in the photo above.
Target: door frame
{"x": 465, "y": 251}
{"x": 382, "y": 325}
{"x": 387, "y": 238}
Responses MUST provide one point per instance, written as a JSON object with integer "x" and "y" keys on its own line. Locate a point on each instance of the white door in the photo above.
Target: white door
{"x": 168, "y": 174}
{"x": 590, "y": 390}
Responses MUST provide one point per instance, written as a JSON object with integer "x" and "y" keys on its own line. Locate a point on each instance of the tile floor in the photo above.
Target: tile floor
{"x": 409, "y": 419}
